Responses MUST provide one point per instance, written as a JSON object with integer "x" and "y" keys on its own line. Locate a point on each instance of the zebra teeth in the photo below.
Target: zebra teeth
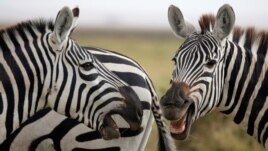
{"x": 179, "y": 126}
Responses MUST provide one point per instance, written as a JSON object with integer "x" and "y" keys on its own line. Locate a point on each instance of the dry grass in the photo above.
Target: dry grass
{"x": 154, "y": 52}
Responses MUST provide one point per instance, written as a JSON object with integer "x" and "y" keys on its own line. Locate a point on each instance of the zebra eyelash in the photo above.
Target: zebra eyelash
{"x": 87, "y": 66}
{"x": 210, "y": 63}
{"x": 174, "y": 60}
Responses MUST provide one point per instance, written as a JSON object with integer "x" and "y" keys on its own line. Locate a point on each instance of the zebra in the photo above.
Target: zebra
{"x": 42, "y": 67}
{"x": 123, "y": 86}
{"x": 78, "y": 136}
{"x": 220, "y": 67}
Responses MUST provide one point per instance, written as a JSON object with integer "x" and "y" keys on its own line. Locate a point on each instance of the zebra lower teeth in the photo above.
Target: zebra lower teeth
{"x": 179, "y": 126}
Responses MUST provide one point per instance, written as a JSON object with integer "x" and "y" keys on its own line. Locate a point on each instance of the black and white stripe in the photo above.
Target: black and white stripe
{"x": 219, "y": 67}
{"x": 73, "y": 135}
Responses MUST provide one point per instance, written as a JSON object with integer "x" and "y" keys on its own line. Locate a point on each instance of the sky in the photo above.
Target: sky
{"x": 133, "y": 13}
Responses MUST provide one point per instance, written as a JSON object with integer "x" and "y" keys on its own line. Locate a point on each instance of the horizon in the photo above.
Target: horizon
{"x": 149, "y": 14}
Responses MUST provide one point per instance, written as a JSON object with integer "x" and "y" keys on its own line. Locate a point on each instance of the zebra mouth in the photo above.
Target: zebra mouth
{"x": 180, "y": 128}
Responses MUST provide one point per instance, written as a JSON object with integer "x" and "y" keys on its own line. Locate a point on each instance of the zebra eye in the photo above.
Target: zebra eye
{"x": 174, "y": 61}
{"x": 87, "y": 66}
{"x": 211, "y": 63}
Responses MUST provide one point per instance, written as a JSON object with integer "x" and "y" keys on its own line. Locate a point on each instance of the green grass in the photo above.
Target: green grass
{"x": 154, "y": 52}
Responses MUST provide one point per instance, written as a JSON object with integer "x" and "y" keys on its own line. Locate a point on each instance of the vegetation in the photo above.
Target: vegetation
{"x": 154, "y": 51}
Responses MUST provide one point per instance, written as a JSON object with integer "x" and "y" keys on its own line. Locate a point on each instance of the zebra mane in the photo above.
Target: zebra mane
{"x": 40, "y": 24}
{"x": 252, "y": 36}
{"x": 207, "y": 23}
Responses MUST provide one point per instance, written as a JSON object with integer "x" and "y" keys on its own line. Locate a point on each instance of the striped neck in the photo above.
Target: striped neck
{"x": 23, "y": 72}
{"x": 245, "y": 85}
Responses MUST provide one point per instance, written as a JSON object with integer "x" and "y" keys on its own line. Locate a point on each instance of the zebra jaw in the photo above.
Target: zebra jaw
{"x": 180, "y": 128}
{"x": 109, "y": 130}
{"x": 109, "y": 133}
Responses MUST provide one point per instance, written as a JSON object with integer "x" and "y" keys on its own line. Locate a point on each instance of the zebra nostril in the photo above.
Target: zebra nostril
{"x": 169, "y": 103}
{"x": 139, "y": 114}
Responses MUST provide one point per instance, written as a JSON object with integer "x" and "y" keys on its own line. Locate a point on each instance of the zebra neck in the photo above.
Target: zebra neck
{"x": 26, "y": 63}
{"x": 245, "y": 87}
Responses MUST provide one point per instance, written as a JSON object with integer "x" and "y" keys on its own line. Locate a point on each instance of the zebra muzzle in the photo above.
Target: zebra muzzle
{"x": 179, "y": 109}
{"x": 132, "y": 111}
{"x": 109, "y": 129}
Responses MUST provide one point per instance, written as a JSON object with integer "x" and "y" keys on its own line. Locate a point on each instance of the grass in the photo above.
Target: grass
{"x": 154, "y": 52}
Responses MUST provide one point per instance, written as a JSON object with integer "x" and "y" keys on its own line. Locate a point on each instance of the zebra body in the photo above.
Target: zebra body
{"x": 219, "y": 67}
{"x": 66, "y": 134}
{"x": 122, "y": 83}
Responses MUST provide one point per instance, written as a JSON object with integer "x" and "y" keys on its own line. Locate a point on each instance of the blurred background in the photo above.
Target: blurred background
{"x": 140, "y": 29}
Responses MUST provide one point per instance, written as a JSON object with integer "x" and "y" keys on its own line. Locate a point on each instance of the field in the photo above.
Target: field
{"x": 154, "y": 51}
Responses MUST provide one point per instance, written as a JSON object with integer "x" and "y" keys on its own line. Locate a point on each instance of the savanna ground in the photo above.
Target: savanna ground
{"x": 154, "y": 51}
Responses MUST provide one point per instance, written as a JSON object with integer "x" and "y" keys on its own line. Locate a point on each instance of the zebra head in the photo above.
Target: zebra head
{"x": 83, "y": 88}
{"x": 198, "y": 75}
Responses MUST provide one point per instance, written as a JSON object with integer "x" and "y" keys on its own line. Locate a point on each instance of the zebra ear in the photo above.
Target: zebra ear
{"x": 76, "y": 15}
{"x": 225, "y": 20}
{"x": 63, "y": 26}
{"x": 180, "y": 27}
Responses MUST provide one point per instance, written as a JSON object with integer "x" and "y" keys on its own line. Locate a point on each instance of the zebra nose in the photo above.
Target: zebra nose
{"x": 131, "y": 98}
{"x": 176, "y": 95}
{"x": 133, "y": 110}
